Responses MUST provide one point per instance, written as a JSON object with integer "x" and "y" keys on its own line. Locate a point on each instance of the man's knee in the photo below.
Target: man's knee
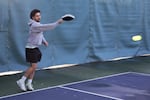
{"x": 34, "y": 65}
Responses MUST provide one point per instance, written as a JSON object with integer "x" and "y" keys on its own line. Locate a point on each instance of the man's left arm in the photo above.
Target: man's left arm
{"x": 44, "y": 41}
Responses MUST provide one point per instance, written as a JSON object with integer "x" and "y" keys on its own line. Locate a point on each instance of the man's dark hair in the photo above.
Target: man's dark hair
{"x": 33, "y": 12}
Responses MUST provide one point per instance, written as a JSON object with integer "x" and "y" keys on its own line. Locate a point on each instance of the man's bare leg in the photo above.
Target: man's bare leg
{"x": 28, "y": 74}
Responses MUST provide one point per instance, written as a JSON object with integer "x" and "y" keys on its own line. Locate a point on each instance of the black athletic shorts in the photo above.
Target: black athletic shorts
{"x": 33, "y": 55}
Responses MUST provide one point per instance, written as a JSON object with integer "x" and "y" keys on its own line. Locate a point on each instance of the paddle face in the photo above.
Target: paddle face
{"x": 68, "y": 17}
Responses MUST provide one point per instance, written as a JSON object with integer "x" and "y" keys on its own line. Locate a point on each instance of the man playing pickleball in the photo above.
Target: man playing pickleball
{"x": 33, "y": 54}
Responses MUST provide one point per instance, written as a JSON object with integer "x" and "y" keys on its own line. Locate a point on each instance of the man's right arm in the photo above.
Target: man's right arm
{"x": 45, "y": 27}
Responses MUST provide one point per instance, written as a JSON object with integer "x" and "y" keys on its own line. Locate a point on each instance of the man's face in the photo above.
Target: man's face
{"x": 37, "y": 17}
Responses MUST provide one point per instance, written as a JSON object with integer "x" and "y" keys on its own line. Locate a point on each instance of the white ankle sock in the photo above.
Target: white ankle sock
{"x": 23, "y": 79}
{"x": 29, "y": 81}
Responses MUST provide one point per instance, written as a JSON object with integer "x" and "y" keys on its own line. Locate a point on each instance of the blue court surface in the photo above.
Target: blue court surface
{"x": 123, "y": 86}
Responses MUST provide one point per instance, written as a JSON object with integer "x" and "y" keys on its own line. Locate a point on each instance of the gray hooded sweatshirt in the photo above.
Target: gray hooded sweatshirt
{"x": 36, "y": 37}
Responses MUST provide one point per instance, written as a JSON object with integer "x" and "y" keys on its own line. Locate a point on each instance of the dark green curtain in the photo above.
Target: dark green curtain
{"x": 101, "y": 31}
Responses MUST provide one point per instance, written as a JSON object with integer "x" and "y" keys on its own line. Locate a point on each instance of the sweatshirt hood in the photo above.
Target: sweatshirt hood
{"x": 30, "y": 22}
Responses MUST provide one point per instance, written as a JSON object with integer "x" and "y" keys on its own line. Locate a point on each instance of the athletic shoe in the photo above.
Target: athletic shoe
{"x": 29, "y": 87}
{"x": 21, "y": 85}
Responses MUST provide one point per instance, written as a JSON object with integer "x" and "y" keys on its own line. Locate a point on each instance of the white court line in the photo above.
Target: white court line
{"x": 10, "y": 73}
{"x": 91, "y": 93}
{"x": 28, "y": 92}
{"x": 64, "y": 85}
{"x": 60, "y": 66}
{"x": 120, "y": 58}
{"x": 145, "y": 55}
{"x": 101, "y": 95}
{"x": 109, "y": 76}
{"x": 47, "y": 68}
{"x": 143, "y": 74}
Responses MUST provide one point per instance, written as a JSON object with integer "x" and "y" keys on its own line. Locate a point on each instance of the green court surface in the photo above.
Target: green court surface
{"x": 48, "y": 78}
